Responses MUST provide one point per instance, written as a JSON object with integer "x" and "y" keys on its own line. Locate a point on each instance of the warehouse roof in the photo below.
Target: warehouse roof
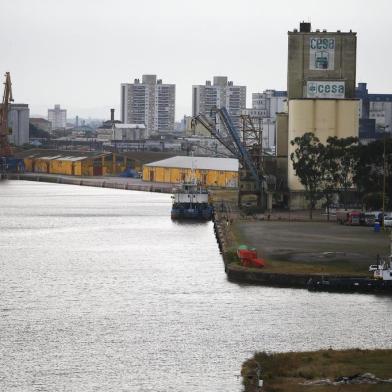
{"x": 129, "y": 126}
{"x": 146, "y": 156}
{"x": 203, "y": 163}
{"x": 39, "y": 120}
{"x": 59, "y": 155}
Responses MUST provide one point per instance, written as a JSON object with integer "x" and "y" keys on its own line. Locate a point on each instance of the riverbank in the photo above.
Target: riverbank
{"x": 297, "y": 250}
{"x": 319, "y": 371}
{"x": 134, "y": 184}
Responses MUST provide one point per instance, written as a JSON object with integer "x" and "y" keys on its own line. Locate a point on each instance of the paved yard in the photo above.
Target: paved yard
{"x": 314, "y": 246}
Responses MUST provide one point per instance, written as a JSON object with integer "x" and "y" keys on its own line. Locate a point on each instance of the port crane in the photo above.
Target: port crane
{"x": 248, "y": 151}
{"x": 5, "y": 148}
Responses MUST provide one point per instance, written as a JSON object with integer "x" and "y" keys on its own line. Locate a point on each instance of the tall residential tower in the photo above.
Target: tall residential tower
{"x": 221, "y": 93}
{"x": 58, "y": 117}
{"x": 149, "y": 102}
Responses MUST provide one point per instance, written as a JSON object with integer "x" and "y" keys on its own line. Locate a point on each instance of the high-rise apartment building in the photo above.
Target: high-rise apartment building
{"x": 149, "y": 102}
{"x": 221, "y": 93}
{"x": 58, "y": 117}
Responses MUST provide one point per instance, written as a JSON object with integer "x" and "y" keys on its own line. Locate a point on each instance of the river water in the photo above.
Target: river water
{"x": 101, "y": 291}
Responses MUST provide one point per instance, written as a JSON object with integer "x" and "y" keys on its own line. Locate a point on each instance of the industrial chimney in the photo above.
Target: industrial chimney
{"x": 112, "y": 115}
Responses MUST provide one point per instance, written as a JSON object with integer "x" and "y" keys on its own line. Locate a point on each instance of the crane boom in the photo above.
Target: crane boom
{"x": 5, "y": 148}
{"x": 248, "y": 152}
{"x": 243, "y": 152}
{"x": 203, "y": 120}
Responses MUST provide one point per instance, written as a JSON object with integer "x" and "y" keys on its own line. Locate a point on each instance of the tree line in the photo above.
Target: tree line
{"x": 343, "y": 169}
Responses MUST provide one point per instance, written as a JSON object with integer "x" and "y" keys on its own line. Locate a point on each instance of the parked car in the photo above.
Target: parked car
{"x": 371, "y": 217}
{"x": 388, "y": 221}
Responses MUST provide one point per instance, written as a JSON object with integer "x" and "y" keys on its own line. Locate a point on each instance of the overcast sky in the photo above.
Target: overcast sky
{"x": 77, "y": 52}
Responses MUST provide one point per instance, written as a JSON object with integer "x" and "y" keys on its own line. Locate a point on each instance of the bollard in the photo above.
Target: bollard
{"x": 377, "y": 227}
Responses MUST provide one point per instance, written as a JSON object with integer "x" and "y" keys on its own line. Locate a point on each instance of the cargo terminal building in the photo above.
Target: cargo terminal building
{"x": 321, "y": 93}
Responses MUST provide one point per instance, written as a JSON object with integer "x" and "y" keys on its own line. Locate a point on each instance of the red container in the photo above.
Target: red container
{"x": 258, "y": 263}
{"x": 253, "y": 263}
{"x": 246, "y": 254}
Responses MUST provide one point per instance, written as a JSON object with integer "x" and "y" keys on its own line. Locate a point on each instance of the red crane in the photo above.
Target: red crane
{"x": 5, "y": 148}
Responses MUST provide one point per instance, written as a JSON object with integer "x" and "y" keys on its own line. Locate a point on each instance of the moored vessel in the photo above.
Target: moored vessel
{"x": 190, "y": 201}
{"x": 380, "y": 282}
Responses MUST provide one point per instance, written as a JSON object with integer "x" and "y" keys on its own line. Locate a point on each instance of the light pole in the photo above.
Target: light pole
{"x": 384, "y": 177}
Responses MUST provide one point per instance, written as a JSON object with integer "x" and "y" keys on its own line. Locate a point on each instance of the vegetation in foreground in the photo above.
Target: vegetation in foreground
{"x": 289, "y": 371}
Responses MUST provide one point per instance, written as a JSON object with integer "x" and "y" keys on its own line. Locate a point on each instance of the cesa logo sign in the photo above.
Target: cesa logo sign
{"x": 321, "y": 53}
{"x": 325, "y": 89}
{"x": 322, "y": 43}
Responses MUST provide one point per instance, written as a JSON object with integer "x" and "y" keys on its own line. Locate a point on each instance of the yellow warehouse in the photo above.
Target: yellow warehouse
{"x": 210, "y": 172}
{"x": 72, "y": 163}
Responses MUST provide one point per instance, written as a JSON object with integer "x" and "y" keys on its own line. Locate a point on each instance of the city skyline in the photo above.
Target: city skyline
{"x": 186, "y": 45}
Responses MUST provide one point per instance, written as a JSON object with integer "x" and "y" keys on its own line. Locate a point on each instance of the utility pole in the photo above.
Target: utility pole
{"x": 384, "y": 176}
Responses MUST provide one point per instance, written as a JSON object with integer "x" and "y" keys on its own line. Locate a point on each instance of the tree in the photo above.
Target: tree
{"x": 369, "y": 173}
{"x": 35, "y": 132}
{"x": 329, "y": 178}
{"x": 307, "y": 164}
{"x": 374, "y": 201}
{"x": 344, "y": 151}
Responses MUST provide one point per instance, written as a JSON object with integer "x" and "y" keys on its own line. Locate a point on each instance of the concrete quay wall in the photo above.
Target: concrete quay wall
{"x": 314, "y": 282}
{"x": 101, "y": 182}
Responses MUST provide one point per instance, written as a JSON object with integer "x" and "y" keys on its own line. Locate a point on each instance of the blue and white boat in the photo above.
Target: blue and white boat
{"x": 190, "y": 201}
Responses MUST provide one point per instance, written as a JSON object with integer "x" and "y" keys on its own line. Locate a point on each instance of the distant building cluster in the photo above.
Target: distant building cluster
{"x": 375, "y": 113}
{"x": 321, "y": 97}
{"x": 265, "y": 106}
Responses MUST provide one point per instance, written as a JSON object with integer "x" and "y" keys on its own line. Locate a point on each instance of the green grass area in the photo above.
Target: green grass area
{"x": 287, "y": 371}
